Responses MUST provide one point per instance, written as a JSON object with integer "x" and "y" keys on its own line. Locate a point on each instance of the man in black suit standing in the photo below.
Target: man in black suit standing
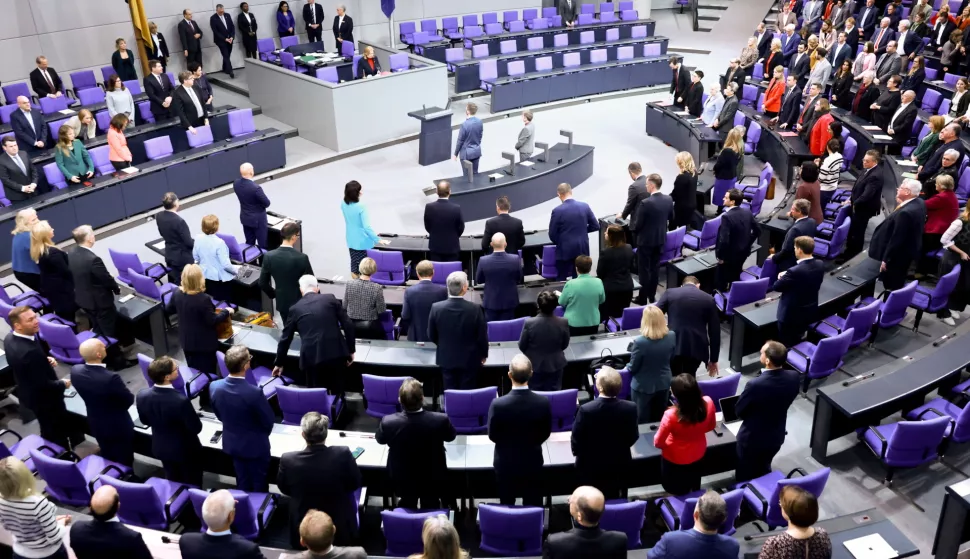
{"x": 586, "y": 538}
{"x": 802, "y": 226}
{"x": 159, "y": 90}
{"x": 897, "y": 241}
{"x": 900, "y": 125}
{"x": 868, "y": 19}
{"x": 866, "y": 201}
{"x": 223, "y": 35}
{"x": 504, "y": 223}
{"x": 799, "y": 287}
{"x": 458, "y": 329}
{"x": 763, "y": 406}
{"x": 178, "y": 240}
{"x": 501, "y": 273}
{"x": 735, "y": 236}
{"x": 107, "y": 400}
{"x": 320, "y": 477}
{"x": 191, "y": 36}
{"x": 679, "y": 82}
{"x": 519, "y": 423}
{"x": 416, "y": 445}
{"x": 692, "y": 313}
{"x": 188, "y": 103}
{"x": 45, "y": 81}
{"x": 800, "y": 67}
{"x": 444, "y": 223}
{"x": 790, "y": 104}
{"x": 285, "y": 266}
{"x": 29, "y": 127}
{"x": 725, "y": 120}
{"x": 218, "y": 541}
{"x": 252, "y": 207}
{"x": 764, "y": 40}
{"x": 174, "y": 422}
{"x": 807, "y": 118}
{"x": 734, "y": 74}
{"x": 17, "y": 173}
{"x": 652, "y": 216}
{"x": 568, "y": 11}
{"x": 635, "y": 193}
{"x": 105, "y": 537}
{"x": 418, "y": 299}
{"x": 604, "y": 431}
{"x": 325, "y": 354}
{"x": 312, "y": 17}
{"x": 343, "y": 27}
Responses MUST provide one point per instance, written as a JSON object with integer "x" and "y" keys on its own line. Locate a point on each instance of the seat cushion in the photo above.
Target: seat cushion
{"x": 797, "y": 360}
{"x": 92, "y": 466}
{"x": 827, "y": 331}
{"x": 873, "y": 442}
{"x": 765, "y": 485}
{"x": 962, "y": 387}
{"x": 165, "y": 489}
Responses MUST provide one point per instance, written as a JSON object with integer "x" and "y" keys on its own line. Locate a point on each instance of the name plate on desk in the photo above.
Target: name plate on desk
{"x": 906, "y": 163}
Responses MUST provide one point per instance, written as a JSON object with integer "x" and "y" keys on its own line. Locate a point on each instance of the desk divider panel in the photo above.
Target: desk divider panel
{"x": 144, "y": 192}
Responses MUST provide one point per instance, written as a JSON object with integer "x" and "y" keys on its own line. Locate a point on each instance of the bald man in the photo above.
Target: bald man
{"x": 252, "y": 207}
{"x": 586, "y": 539}
{"x": 107, "y": 400}
{"x": 104, "y": 537}
{"x": 900, "y": 125}
{"x": 501, "y": 273}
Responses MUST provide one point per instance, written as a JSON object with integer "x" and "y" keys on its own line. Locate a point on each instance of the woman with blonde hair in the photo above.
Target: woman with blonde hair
{"x": 440, "y": 540}
{"x": 212, "y": 255}
{"x": 198, "y": 318}
{"x": 32, "y": 521}
{"x": 774, "y": 57}
{"x": 84, "y": 124}
{"x": 927, "y": 146}
{"x": 684, "y": 193}
{"x": 72, "y": 159}
{"x": 24, "y": 267}
{"x": 731, "y": 157}
{"x": 368, "y": 65}
{"x": 56, "y": 280}
{"x": 123, "y": 61}
{"x": 650, "y": 365}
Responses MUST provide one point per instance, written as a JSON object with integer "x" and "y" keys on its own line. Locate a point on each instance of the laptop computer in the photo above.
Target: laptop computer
{"x": 729, "y": 416}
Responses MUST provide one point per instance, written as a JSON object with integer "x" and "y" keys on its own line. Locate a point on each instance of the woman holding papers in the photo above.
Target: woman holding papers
{"x": 801, "y": 539}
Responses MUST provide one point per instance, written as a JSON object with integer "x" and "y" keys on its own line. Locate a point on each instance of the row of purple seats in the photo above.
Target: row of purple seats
{"x": 488, "y": 68}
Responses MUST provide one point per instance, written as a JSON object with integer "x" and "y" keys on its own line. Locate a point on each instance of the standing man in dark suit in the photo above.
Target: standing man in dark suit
{"x": 692, "y": 313}
{"x": 679, "y": 81}
{"x": 802, "y": 226}
{"x": 312, "y": 17}
{"x": 252, "y": 207}
{"x": 325, "y": 354}
{"x": 458, "y": 329}
{"x": 468, "y": 147}
{"x": 897, "y": 241}
{"x": 29, "y": 127}
{"x": 416, "y": 439}
{"x": 38, "y": 387}
{"x": 174, "y": 422}
{"x": 191, "y": 37}
{"x": 635, "y": 193}
{"x": 763, "y": 406}
{"x": 799, "y": 287}
{"x": 519, "y": 423}
{"x": 17, "y": 173}
{"x": 104, "y": 537}
{"x": 866, "y": 201}
{"x": 544, "y": 340}
{"x": 900, "y": 125}
{"x": 764, "y": 40}
{"x": 807, "y": 118}
{"x": 178, "y": 240}
{"x": 45, "y": 81}
{"x": 569, "y": 227}
{"x": 841, "y": 51}
{"x": 247, "y": 421}
{"x": 868, "y": 19}
{"x": 188, "y": 103}
{"x": 653, "y": 215}
{"x": 568, "y": 11}
{"x": 501, "y": 273}
{"x": 247, "y": 28}
{"x": 790, "y": 101}
{"x": 800, "y": 67}
{"x": 285, "y": 266}
{"x": 107, "y": 400}
{"x": 444, "y": 223}
{"x": 418, "y": 299}
{"x": 504, "y": 223}
{"x": 223, "y": 35}
{"x": 586, "y": 538}
{"x": 320, "y": 477}
{"x": 887, "y": 103}
{"x": 343, "y": 27}
{"x": 735, "y": 236}
{"x": 734, "y": 74}
{"x": 725, "y": 121}
{"x": 159, "y": 90}
{"x": 218, "y": 541}
{"x": 604, "y": 431}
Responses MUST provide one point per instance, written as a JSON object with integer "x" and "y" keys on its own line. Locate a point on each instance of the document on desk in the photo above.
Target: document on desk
{"x": 909, "y": 175}
{"x": 871, "y": 127}
{"x": 662, "y": 103}
{"x": 129, "y": 170}
{"x": 882, "y": 137}
{"x": 872, "y": 546}
{"x": 496, "y": 176}
{"x": 681, "y": 113}
{"x": 906, "y": 163}
{"x": 787, "y": 134}
{"x": 66, "y": 111}
{"x": 527, "y": 163}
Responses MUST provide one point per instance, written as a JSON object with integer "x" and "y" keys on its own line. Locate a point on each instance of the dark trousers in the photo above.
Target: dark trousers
{"x": 251, "y": 474}
{"x": 117, "y": 449}
{"x": 119, "y": 165}
{"x": 895, "y": 275}
{"x": 194, "y": 56}
{"x": 754, "y": 462}
{"x": 202, "y": 361}
{"x": 474, "y": 163}
{"x": 105, "y": 323}
{"x": 460, "y": 379}
{"x": 257, "y": 235}
{"x": 680, "y": 364}
{"x": 857, "y": 233}
{"x": 30, "y": 280}
{"x": 791, "y": 331}
{"x": 369, "y": 330}
{"x": 826, "y": 197}
{"x": 314, "y": 35}
{"x": 650, "y": 405}
{"x": 727, "y": 272}
{"x": 565, "y": 268}
{"x": 583, "y": 330}
{"x": 188, "y": 471}
{"x": 219, "y": 290}
{"x": 249, "y": 43}
{"x": 410, "y": 501}
{"x": 329, "y": 374}
{"x": 444, "y": 256}
{"x": 648, "y": 270}
{"x": 61, "y": 553}
{"x": 226, "y": 50}
{"x": 679, "y": 479}
{"x": 175, "y": 273}
{"x": 615, "y": 302}
{"x": 57, "y": 427}
{"x": 499, "y": 314}
{"x": 521, "y": 482}
{"x": 546, "y": 381}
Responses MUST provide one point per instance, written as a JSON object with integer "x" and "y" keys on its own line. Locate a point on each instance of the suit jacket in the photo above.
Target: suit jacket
{"x": 692, "y": 314}
{"x": 94, "y": 288}
{"x": 569, "y": 227}
{"x": 37, "y": 385}
{"x": 458, "y": 328}
{"x": 174, "y": 422}
{"x": 866, "y": 196}
{"x": 735, "y": 75}
{"x": 888, "y": 102}
{"x": 319, "y": 318}
{"x": 509, "y": 226}
{"x": 866, "y": 99}
{"x": 26, "y": 135}
{"x": 789, "y": 46}
{"x": 323, "y": 478}
{"x": 852, "y": 38}
{"x": 736, "y": 234}
{"x": 318, "y": 14}
{"x": 880, "y": 43}
{"x": 763, "y": 406}
{"x": 603, "y": 432}
{"x": 568, "y": 10}
{"x": 187, "y": 31}
{"x": 157, "y": 93}
{"x": 418, "y": 299}
{"x": 887, "y": 66}
{"x": 252, "y": 202}
{"x": 586, "y": 543}
{"x": 543, "y": 341}
{"x": 206, "y": 546}
{"x": 790, "y": 107}
{"x": 364, "y": 69}
{"x": 222, "y": 32}
{"x": 636, "y": 193}
{"x": 903, "y": 124}
{"x": 345, "y": 31}
{"x": 39, "y": 84}
{"x": 898, "y": 239}
{"x": 416, "y": 448}
{"x": 469, "y": 144}
{"x": 839, "y": 54}
{"x": 107, "y": 400}
{"x": 764, "y": 45}
{"x": 799, "y": 291}
{"x": 501, "y": 273}
{"x": 518, "y": 424}
{"x": 14, "y": 179}
{"x": 653, "y": 215}
{"x": 93, "y": 539}
{"x": 947, "y": 28}
{"x": 694, "y": 99}
{"x": 247, "y": 419}
{"x": 800, "y": 67}
{"x": 690, "y": 544}
{"x": 726, "y": 118}
{"x": 912, "y": 43}
{"x": 782, "y": 21}
{"x": 785, "y": 258}
{"x": 247, "y": 27}
{"x": 185, "y": 109}
{"x": 444, "y": 223}
{"x": 285, "y": 266}
{"x": 159, "y": 51}
{"x": 868, "y": 19}
{"x": 197, "y": 321}
{"x": 178, "y": 240}
{"x": 679, "y": 82}
{"x": 526, "y": 142}
{"x": 933, "y": 164}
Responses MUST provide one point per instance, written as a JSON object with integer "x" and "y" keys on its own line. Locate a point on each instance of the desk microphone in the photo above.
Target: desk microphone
{"x": 718, "y": 433}
{"x": 858, "y": 379}
{"x": 941, "y": 341}
{"x": 759, "y": 536}
{"x": 839, "y": 269}
{"x": 765, "y": 302}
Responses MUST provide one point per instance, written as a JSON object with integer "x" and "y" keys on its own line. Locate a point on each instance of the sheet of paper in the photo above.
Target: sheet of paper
{"x": 681, "y": 113}
{"x": 787, "y": 134}
{"x": 733, "y": 427}
{"x": 909, "y": 175}
{"x": 872, "y": 546}
{"x": 66, "y": 111}
{"x": 662, "y": 103}
{"x": 496, "y": 176}
{"x": 527, "y": 163}
{"x": 160, "y": 245}
{"x": 871, "y": 127}
{"x": 906, "y": 163}
{"x": 882, "y": 137}
{"x": 129, "y": 170}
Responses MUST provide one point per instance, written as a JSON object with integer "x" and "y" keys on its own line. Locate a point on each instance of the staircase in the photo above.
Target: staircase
{"x": 707, "y": 12}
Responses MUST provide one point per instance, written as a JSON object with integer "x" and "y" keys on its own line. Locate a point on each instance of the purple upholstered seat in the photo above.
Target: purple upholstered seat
{"x": 295, "y": 402}
{"x": 24, "y": 445}
{"x": 470, "y": 33}
{"x": 629, "y": 320}
{"x": 892, "y": 311}
{"x": 860, "y": 319}
{"x": 402, "y": 530}
{"x": 546, "y": 265}
{"x": 391, "y": 268}
{"x": 144, "y": 285}
{"x": 241, "y": 122}
{"x": 926, "y": 300}
{"x": 85, "y": 79}
{"x": 124, "y": 261}
{"x": 768, "y": 270}
{"x": 201, "y": 137}
{"x": 820, "y": 360}
{"x": 468, "y": 409}
{"x": 64, "y": 343}
{"x": 442, "y": 269}
{"x": 50, "y": 105}
{"x": 906, "y": 444}
{"x": 381, "y": 394}
{"x": 511, "y": 531}
{"x": 240, "y": 252}
{"x": 157, "y": 148}
{"x": 54, "y": 176}
{"x": 724, "y": 386}
{"x": 762, "y": 494}
{"x": 959, "y": 430}
{"x": 505, "y": 330}
{"x": 741, "y": 293}
{"x": 705, "y": 238}
{"x": 154, "y": 504}
{"x": 72, "y": 483}
{"x": 832, "y": 248}
{"x": 564, "y": 407}
{"x": 626, "y": 517}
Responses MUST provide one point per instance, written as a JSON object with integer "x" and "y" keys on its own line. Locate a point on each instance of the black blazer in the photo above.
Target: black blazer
{"x": 364, "y": 70}
{"x": 319, "y": 318}
{"x": 635, "y": 193}
{"x": 569, "y": 11}
{"x": 763, "y": 406}
{"x": 736, "y": 234}
{"x": 935, "y": 32}
{"x": 285, "y": 266}
{"x": 107, "y": 400}
{"x": 692, "y": 314}
{"x": 653, "y": 215}
{"x": 604, "y": 431}
{"x": 888, "y": 102}
{"x": 684, "y": 194}
{"x": 785, "y": 258}
{"x": 913, "y": 81}
{"x": 614, "y": 267}
{"x": 518, "y": 424}
{"x": 458, "y": 329}
{"x": 157, "y": 52}
{"x": 418, "y": 299}
{"x": 187, "y": 33}
{"x": 726, "y": 166}
{"x": 735, "y": 75}
{"x": 56, "y": 281}
{"x": 585, "y": 543}
{"x": 444, "y": 223}
{"x": 178, "y": 240}
{"x": 318, "y": 9}
{"x": 790, "y": 108}
{"x": 416, "y": 448}
{"x": 962, "y": 105}
{"x": 935, "y": 162}
{"x": 174, "y": 422}
{"x": 867, "y": 98}
{"x": 13, "y": 178}
{"x": 501, "y": 274}
{"x": 197, "y": 320}
{"x": 94, "y": 288}
{"x": 185, "y": 109}
{"x": 157, "y": 93}
{"x": 799, "y": 291}
{"x": 323, "y": 478}
{"x": 726, "y": 118}
{"x": 866, "y": 196}
{"x": 247, "y": 27}
{"x": 509, "y": 226}
{"x": 842, "y": 90}
{"x": 764, "y": 45}
{"x": 37, "y": 385}
{"x": 899, "y": 237}
{"x": 222, "y": 32}
{"x": 27, "y": 136}
{"x": 39, "y": 84}
{"x": 543, "y": 341}
{"x": 207, "y": 546}
{"x": 345, "y": 31}
{"x": 694, "y": 99}
{"x": 93, "y": 539}
{"x": 903, "y": 125}
{"x": 252, "y": 202}
{"x": 801, "y": 67}
{"x": 679, "y": 82}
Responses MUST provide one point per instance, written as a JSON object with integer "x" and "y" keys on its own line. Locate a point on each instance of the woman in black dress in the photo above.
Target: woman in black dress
{"x": 685, "y": 190}
{"x": 197, "y": 321}
{"x": 123, "y": 61}
{"x": 56, "y": 281}
{"x": 613, "y": 269}
{"x": 842, "y": 86}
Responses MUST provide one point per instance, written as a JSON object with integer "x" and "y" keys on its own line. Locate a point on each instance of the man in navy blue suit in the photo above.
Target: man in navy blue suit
{"x": 569, "y": 228}
{"x": 469, "y": 144}
{"x": 799, "y": 293}
{"x": 693, "y": 314}
{"x": 252, "y": 206}
{"x": 735, "y": 236}
{"x": 247, "y": 420}
{"x": 218, "y": 541}
{"x": 458, "y": 328}
{"x": 501, "y": 273}
{"x": 444, "y": 223}
{"x": 28, "y": 127}
{"x": 763, "y": 406}
{"x": 803, "y": 226}
{"x": 652, "y": 216}
{"x": 702, "y": 540}
{"x": 107, "y": 400}
{"x": 223, "y": 35}
{"x": 418, "y": 299}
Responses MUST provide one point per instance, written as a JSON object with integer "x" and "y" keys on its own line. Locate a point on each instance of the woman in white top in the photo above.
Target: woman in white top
{"x": 958, "y": 103}
{"x": 829, "y": 170}
{"x": 38, "y": 532}
{"x": 865, "y": 61}
{"x": 84, "y": 125}
{"x": 119, "y": 99}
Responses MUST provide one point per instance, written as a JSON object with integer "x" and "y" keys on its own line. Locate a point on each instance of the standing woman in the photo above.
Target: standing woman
{"x": 198, "y": 318}
{"x": 916, "y": 75}
{"x": 942, "y": 208}
{"x": 72, "y": 159}
{"x": 24, "y": 268}
{"x": 364, "y": 302}
{"x": 118, "y": 99}
{"x": 865, "y": 62}
{"x": 774, "y": 58}
{"x": 728, "y": 160}
{"x": 821, "y": 133}
{"x": 842, "y": 86}
{"x": 749, "y": 57}
{"x": 123, "y": 61}
{"x": 956, "y": 241}
{"x": 284, "y": 20}
{"x": 32, "y": 521}
{"x": 684, "y": 193}
{"x": 158, "y": 50}
{"x": 771, "y": 105}
{"x": 212, "y": 255}
{"x": 84, "y": 125}
{"x": 829, "y": 172}
{"x": 544, "y": 340}
{"x": 650, "y": 365}
{"x": 695, "y": 94}
{"x": 118, "y": 153}
{"x": 360, "y": 235}
{"x": 810, "y": 189}
{"x": 613, "y": 269}
{"x": 682, "y": 436}
{"x": 56, "y": 280}
{"x": 247, "y": 28}
{"x": 951, "y": 57}
{"x": 927, "y": 146}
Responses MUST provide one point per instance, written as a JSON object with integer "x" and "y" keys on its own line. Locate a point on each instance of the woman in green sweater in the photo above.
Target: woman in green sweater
{"x": 72, "y": 158}
{"x": 930, "y": 142}
{"x": 582, "y": 297}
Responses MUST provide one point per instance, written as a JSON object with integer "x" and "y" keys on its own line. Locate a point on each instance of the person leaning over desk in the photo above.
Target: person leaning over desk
{"x": 368, "y": 65}
{"x": 84, "y": 125}
{"x": 71, "y": 157}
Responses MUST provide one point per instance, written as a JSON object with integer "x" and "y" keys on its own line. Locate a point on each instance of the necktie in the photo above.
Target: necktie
{"x": 50, "y": 84}
{"x": 808, "y": 105}
{"x": 20, "y": 163}
{"x": 879, "y": 39}
{"x": 224, "y": 24}
{"x": 159, "y": 78}
{"x": 313, "y": 14}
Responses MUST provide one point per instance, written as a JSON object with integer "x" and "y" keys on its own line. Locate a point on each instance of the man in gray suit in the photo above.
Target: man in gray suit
{"x": 888, "y": 64}
{"x": 725, "y": 121}
{"x": 569, "y": 11}
{"x": 469, "y": 145}
{"x": 635, "y": 193}
{"x": 526, "y": 144}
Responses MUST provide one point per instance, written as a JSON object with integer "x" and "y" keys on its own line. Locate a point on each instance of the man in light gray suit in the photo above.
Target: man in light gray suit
{"x": 820, "y": 73}
{"x": 526, "y": 144}
{"x": 469, "y": 145}
{"x": 812, "y": 12}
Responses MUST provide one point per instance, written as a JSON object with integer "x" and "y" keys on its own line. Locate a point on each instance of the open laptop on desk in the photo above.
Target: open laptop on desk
{"x": 730, "y": 417}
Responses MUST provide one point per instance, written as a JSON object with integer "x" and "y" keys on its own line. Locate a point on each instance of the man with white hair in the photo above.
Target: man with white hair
{"x": 883, "y": 35}
{"x": 343, "y": 27}
{"x": 907, "y": 42}
{"x": 325, "y": 354}
{"x": 458, "y": 328}
{"x": 898, "y": 239}
{"x": 950, "y": 136}
{"x": 950, "y": 168}
{"x": 218, "y": 541}
{"x": 501, "y": 273}
{"x": 789, "y": 43}
{"x": 252, "y": 207}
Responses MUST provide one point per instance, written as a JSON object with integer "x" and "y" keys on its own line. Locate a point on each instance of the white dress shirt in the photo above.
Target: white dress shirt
{"x": 897, "y": 113}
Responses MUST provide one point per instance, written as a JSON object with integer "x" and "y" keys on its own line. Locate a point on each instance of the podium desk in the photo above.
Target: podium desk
{"x": 274, "y": 234}
{"x": 773, "y": 234}
{"x": 434, "y": 143}
{"x": 682, "y": 132}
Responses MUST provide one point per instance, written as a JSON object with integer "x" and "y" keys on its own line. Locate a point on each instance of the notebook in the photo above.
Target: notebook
{"x": 729, "y": 415}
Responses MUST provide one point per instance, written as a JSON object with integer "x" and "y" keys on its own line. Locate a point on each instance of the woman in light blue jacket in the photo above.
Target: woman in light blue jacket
{"x": 360, "y": 235}
{"x": 212, "y": 255}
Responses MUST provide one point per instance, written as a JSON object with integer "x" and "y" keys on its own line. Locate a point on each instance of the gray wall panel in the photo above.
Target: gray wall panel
{"x": 17, "y": 20}
{"x": 52, "y": 16}
{"x": 18, "y": 57}
{"x": 306, "y": 103}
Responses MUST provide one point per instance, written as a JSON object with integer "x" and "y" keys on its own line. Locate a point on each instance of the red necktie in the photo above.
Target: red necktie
{"x": 878, "y": 40}
{"x": 50, "y": 84}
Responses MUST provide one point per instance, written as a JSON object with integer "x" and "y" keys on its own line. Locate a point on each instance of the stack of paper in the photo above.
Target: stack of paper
{"x": 881, "y": 137}
{"x": 906, "y": 163}
{"x": 870, "y": 127}
{"x": 496, "y": 176}
{"x": 872, "y": 546}
{"x": 526, "y": 163}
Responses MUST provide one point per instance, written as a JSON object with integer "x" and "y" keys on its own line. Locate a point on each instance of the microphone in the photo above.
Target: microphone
{"x": 941, "y": 341}
{"x": 765, "y": 302}
{"x": 839, "y": 269}
{"x": 858, "y": 379}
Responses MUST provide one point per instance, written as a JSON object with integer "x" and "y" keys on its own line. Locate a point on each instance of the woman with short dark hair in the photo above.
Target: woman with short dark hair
{"x": 810, "y": 189}
{"x": 801, "y": 540}
{"x": 285, "y": 24}
{"x": 613, "y": 269}
{"x": 360, "y": 235}
{"x": 682, "y": 436}
{"x": 544, "y": 340}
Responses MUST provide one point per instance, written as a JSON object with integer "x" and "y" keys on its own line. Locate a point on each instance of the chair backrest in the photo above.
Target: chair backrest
{"x": 468, "y": 409}
{"x": 142, "y": 505}
{"x": 511, "y": 531}
{"x": 626, "y": 6}
{"x": 837, "y": 243}
{"x": 588, "y": 9}
{"x": 629, "y": 15}
{"x": 720, "y": 387}
{"x": 265, "y": 46}
{"x": 99, "y": 156}
{"x": 507, "y": 47}
{"x": 564, "y": 406}
{"x": 613, "y": 34}
{"x": 606, "y": 7}
{"x": 241, "y": 122}
{"x": 64, "y": 480}
{"x": 516, "y": 68}
{"x": 652, "y": 49}
{"x": 402, "y": 530}
{"x": 399, "y": 62}
{"x": 85, "y": 79}
{"x": 493, "y": 28}
{"x": 449, "y": 24}
{"x": 509, "y": 16}
{"x": 13, "y": 90}
{"x": 548, "y": 12}
{"x": 829, "y": 353}
{"x": 560, "y": 40}
{"x": 429, "y": 26}
{"x": 202, "y": 136}
{"x": 893, "y": 311}
{"x": 287, "y": 60}
{"x": 627, "y": 518}
{"x": 6, "y": 111}
{"x": 540, "y": 23}
{"x": 103, "y": 118}
{"x": 860, "y": 320}
{"x": 327, "y": 74}
{"x": 62, "y": 341}
{"x": 638, "y": 32}
{"x": 144, "y": 285}
{"x": 607, "y": 17}
{"x": 157, "y": 148}
{"x": 442, "y": 269}
{"x": 390, "y": 267}
{"x": 54, "y": 176}
{"x": 91, "y": 96}
{"x": 381, "y": 393}
{"x": 944, "y": 287}
{"x": 293, "y": 40}
{"x": 456, "y": 54}
{"x": 407, "y": 28}
{"x": 50, "y": 106}
{"x": 505, "y": 330}
{"x": 534, "y": 43}
{"x": 586, "y": 37}
{"x": 516, "y": 26}
{"x": 625, "y": 388}
{"x": 480, "y": 51}
{"x": 709, "y": 232}
{"x": 570, "y": 60}
{"x": 631, "y": 318}
{"x": 597, "y": 56}
{"x": 347, "y": 49}
{"x": 295, "y": 402}
{"x": 543, "y": 63}
{"x": 744, "y": 292}
{"x": 624, "y": 53}
{"x": 951, "y": 78}
{"x": 674, "y": 242}
{"x": 916, "y": 442}
{"x": 490, "y": 17}
{"x": 235, "y": 253}
{"x": 814, "y": 483}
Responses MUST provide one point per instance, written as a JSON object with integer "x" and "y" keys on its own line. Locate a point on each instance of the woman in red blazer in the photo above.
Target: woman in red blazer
{"x": 682, "y": 436}
{"x": 821, "y": 134}
{"x": 941, "y": 210}
{"x": 771, "y": 105}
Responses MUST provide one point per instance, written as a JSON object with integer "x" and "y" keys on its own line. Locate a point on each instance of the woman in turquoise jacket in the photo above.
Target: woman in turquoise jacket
{"x": 360, "y": 235}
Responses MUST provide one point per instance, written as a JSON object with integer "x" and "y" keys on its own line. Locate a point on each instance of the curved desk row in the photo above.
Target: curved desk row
{"x": 681, "y": 131}
{"x": 521, "y": 38}
{"x": 785, "y": 150}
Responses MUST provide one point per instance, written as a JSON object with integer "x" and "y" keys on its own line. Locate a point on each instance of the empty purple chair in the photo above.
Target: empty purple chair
{"x": 29, "y": 297}
{"x": 548, "y": 13}
{"x": 24, "y": 445}
{"x": 861, "y": 319}
{"x": 287, "y": 42}
{"x": 157, "y": 148}
{"x": 832, "y": 248}
{"x": 259, "y": 376}
{"x": 597, "y": 56}
{"x": 449, "y": 26}
{"x": 677, "y": 512}
{"x": 762, "y": 494}
{"x": 99, "y": 156}
{"x": 430, "y": 26}
{"x": 201, "y": 137}
{"x": 468, "y": 409}
{"x": 741, "y": 293}
{"x": 936, "y": 300}
{"x": 756, "y": 200}
{"x": 625, "y": 378}
{"x": 18, "y": 89}
{"x": 516, "y": 68}
{"x": 767, "y": 270}
{"x": 381, "y": 394}
{"x": 253, "y": 511}
{"x": 5, "y": 113}
{"x": 560, "y": 40}
{"x": 651, "y": 49}
{"x": 124, "y": 261}
{"x": 73, "y": 483}
{"x": 626, "y": 517}
{"x": 546, "y": 264}
{"x": 505, "y": 330}
{"x": 705, "y": 238}
{"x": 607, "y": 17}
{"x": 570, "y": 60}
{"x": 144, "y": 285}
{"x": 50, "y": 105}
{"x": 587, "y": 9}
{"x": 240, "y": 252}
{"x": 673, "y": 245}
{"x": 327, "y": 74}
{"x": 480, "y": 51}
{"x": 241, "y": 122}
{"x": 534, "y": 43}
{"x": 951, "y": 78}
{"x": 407, "y": 30}
{"x": 624, "y": 53}
{"x": 55, "y": 126}
{"x": 530, "y": 14}
{"x": 154, "y": 504}
{"x": 606, "y": 7}
{"x": 586, "y": 19}
{"x": 346, "y": 49}
{"x": 814, "y": 361}
{"x": 906, "y": 444}
{"x": 64, "y": 343}
{"x": 144, "y": 111}
{"x": 508, "y": 17}
{"x": 295, "y": 402}
{"x": 402, "y": 530}
{"x": 511, "y": 531}
{"x": 959, "y": 431}
{"x": 391, "y": 269}
{"x": 442, "y": 269}
{"x": 91, "y": 96}
{"x": 586, "y": 37}
{"x": 517, "y": 26}
{"x": 399, "y": 62}
{"x": 752, "y": 138}
{"x": 564, "y": 408}
{"x": 539, "y": 23}
{"x": 452, "y": 55}
{"x": 493, "y": 28}
{"x": 507, "y": 47}
{"x": 638, "y": 32}
{"x": 56, "y": 178}
{"x": 721, "y": 387}
{"x": 892, "y": 311}
{"x": 827, "y": 228}
{"x": 629, "y": 15}
{"x": 490, "y": 17}
{"x": 265, "y": 48}
{"x": 85, "y": 80}
{"x": 629, "y": 320}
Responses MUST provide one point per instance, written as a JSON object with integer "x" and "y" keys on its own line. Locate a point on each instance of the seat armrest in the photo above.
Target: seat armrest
{"x": 665, "y": 504}
{"x": 270, "y": 498}
{"x": 799, "y": 471}
{"x": 764, "y": 502}
{"x": 934, "y": 410}
{"x": 882, "y": 440}
{"x": 163, "y": 269}
{"x": 834, "y": 327}
{"x": 363, "y": 499}
{"x": 21, "y": 289}
{"x": 800, "y": 352}
{"x": 168, "y": 504}
{"x": 12, "y": 432}
{"x": 694, "y": 234}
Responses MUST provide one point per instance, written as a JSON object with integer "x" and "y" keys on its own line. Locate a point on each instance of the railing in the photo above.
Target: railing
{"x": 692, "y": 7}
